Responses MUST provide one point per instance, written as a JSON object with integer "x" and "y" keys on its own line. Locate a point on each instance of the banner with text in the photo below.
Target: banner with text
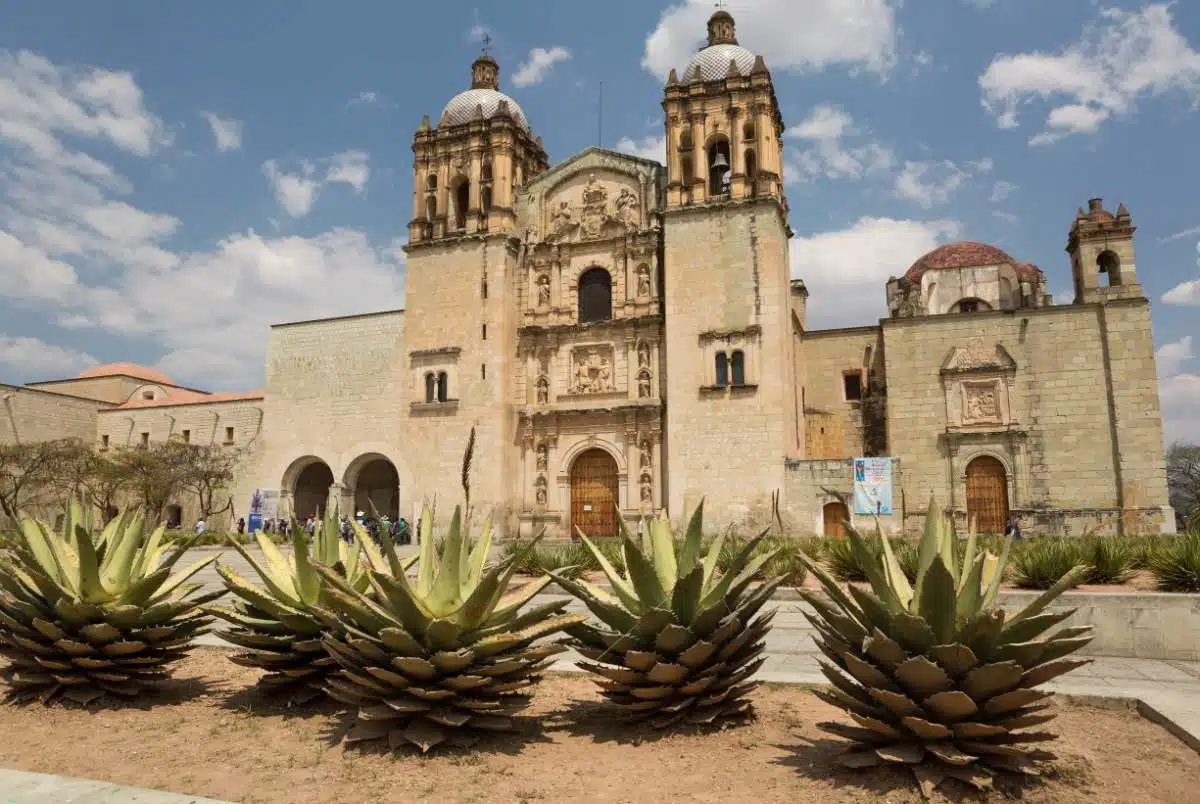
{"x": 264, "y": 505}
{"x": 872, "y": 486}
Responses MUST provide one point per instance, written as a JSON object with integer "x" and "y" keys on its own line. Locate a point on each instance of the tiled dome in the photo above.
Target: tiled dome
{"x": 461, "y": 108}
{"x": 954, "y": 256}
{"x": 712, "y": 63}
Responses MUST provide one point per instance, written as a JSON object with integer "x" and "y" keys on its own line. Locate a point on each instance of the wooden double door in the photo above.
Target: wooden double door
{"x": 594, "y": 494}
{"x": 987, "y": 494}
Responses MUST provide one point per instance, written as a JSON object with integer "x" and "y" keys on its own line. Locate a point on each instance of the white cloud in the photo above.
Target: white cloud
{"x": 538, "y": 64}
{"x": 365, "y": 98}
{"x": 1001, "y": 190}
{"x": 75, "y": 247}
{"x": 824, "y": 131}
{"x": 929, "y": 183}
{"x": 1186, "y": 294}
{"x": 654, "y": 148}
{"x": 846, "y": 271}
{"x": 1124, "y": 56}
{"x": 227, "y": 132}
{"x": 297, "y": 191}
{"x": 1170, "y": 357}
{"x": 1178, "y": 390}
{"x": 1192, "y": 232}
{"x": 859, "y": 34}
{"x": 32, "y": 357}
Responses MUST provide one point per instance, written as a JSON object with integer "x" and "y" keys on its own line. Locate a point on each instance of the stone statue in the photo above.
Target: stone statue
{"x": 543, "y": 390}
{"x": 627, "y": 207}
{"x": 643, "y": 281}
{"x": 647, "y": 489}
{"x": 593, "y": 373}
{"x": 583, "y": 378}
{"x": 643, "y": 355}
{"x": 543, "y": 286}
{"x": 647, "y": 455}
{"x": 603, "y": 376}
{"x": 643, "y": 384}
{"x": 541, "y": 491}
{"x": 543, "y": 457}
{"x": 562, "y": 218}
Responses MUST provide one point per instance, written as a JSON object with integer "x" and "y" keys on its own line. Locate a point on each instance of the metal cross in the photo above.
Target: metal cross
{"x": 487, "y": 43}
{"x": 720, "y": 4}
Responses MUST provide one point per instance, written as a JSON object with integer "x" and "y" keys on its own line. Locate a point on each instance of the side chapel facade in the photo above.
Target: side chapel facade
{"x": 625, "y": 338}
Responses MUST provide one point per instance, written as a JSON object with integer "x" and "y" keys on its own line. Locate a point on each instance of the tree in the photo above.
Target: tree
{"x": 207, "y": 471}
{"x": 1183, "y": 479}
{"x": 35, "y": 475}
{"x": 103, "y": 481}
{"x": 153, "y": 473}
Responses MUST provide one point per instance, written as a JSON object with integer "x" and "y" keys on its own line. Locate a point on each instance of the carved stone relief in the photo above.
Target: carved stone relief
{"x": 543, "y": 457}
{"x": 541, "y": 492}
{"x": 591, "y": 371}
{"x": 981, "y": 402}
{"x": 543, "y": 390}
{"x": 643, "y": 281}
{"x": 595, "y": 214}
{"x": 628, "y": 207}
{"x": 643, "y": 380}
{"x": 647, "y": 488}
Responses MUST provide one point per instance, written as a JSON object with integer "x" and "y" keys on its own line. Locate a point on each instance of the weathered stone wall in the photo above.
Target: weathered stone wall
{"x": 727, "y": 277}
{"x": 28, "y": 416}
{"x": 115, "y": 389}
{"x": 813, "y": 484}
{"x": 834, "y": 424}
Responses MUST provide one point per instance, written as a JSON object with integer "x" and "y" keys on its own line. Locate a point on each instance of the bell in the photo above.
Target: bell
{"x": 719, "y": 161}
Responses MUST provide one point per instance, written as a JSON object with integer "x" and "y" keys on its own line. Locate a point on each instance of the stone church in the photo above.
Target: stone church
{"x": 625, "y": 337}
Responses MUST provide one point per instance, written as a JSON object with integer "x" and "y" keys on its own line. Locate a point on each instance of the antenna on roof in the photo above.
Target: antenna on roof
{"x": 600, "y": 118}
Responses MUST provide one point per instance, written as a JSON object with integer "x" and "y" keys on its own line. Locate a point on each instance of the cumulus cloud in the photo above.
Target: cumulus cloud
{"x": 1122, "y": 57}
{"x": 857, "y": 34}
{"x": 824, "y": 151}
{"x": 846, "y": 270}
{"x": 297, "y": 191}
{"x": 34, "y": 357}
{"x": 929, "y": 183}
{"x": 654, "y": 148}
{"x": 1186, "y": 294}
{"x": 75, "y": 245}
{"x": 226, "y": 132}
{"x": 1179, "y": 390}
{"x": 538, "y": 64}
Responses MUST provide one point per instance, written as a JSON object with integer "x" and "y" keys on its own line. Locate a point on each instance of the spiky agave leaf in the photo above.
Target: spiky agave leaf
{"x": 932, "y": 674}
{"x": 274, "y": 623}
{"x": 85, "y": 615}
{"x": 442, "y": 658}
{"x": 676, "y": 642}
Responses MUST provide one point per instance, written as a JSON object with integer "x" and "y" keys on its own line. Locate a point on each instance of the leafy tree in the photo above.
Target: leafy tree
{"x": 1183, "y": 479}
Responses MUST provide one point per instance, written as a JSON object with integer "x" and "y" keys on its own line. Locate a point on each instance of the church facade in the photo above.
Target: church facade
{"x": 625, "y": 338}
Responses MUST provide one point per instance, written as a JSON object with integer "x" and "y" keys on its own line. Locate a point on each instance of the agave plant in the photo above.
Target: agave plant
{"x": 85, "y": 616}
{"x": 274, "y": 623}
{"x": 935, "y": 677}
{"x": 442, "y": 658}
{"x": 677, "y": 641}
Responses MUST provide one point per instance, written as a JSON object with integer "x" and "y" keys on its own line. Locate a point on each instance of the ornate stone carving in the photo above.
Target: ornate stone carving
{"x": 643, "y": 379}
{"x": 591, "y": 372}
{"x": 628, "y": 207}
{"x": 543, "y": 457}
{"x": 595, "y": 208}
{"x": 562, "y": 219}
{"x": 647, "y": 489}
{"x": 643, "y": 351}
{"x": 981, "y": 402}
{"x": 595, "y": 216}
{"x": 643, "y": 281}
{"x": 543, "y": 390}
{"x": 543, "y": 290}
{"x": 540, "y": 491}
{"x": 647, "y": 454}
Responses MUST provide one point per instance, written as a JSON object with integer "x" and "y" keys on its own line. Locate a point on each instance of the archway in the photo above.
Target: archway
{"x": 987, "y": 494}
{"x": 594, "y": 494}
{"x": 311, "y": 490}
{"x": 174, "y": 517}
{"x": 377, "y": 484}
{"x": 835, "y": 516}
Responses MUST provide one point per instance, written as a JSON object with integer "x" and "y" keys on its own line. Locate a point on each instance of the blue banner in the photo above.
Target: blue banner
{"x": 872, "y": 486}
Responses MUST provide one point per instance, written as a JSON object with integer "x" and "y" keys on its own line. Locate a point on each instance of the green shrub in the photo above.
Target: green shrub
{"x": 1043, "y": 561}
{"x": 907, "y": 553}
{"x": 1175, "y": 565}
{"x": 840, "y": 558}
{"x": 1111, "y": 560}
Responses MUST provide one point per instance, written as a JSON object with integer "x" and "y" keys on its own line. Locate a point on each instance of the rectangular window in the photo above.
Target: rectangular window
{"x": 737, "y": 368}
{"x": 147, "y": 394}
{"x": 484, "y": 328}
{"x": 483, "y": 371}
{"x": 103, "y": 442}
{"x": 852, "y": 385}
{"x": 228, "y": 435}
{"x": 187, "y": 436}
{"x": 969, "y": 306}
{"x": 145, "y": 439}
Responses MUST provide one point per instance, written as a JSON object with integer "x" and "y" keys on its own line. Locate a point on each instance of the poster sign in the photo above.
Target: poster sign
{"x": 264, "y": 505}
{"x": 872, "y": 486}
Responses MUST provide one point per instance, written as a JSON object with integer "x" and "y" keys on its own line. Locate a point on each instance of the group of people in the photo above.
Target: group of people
{"x": 397, "y": 530}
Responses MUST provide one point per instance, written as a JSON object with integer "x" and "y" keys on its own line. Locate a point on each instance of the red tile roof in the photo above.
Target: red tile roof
{"x": 125, "y": 369}
{"x": 182, "y": 397}
{"x": 954, "y": 256}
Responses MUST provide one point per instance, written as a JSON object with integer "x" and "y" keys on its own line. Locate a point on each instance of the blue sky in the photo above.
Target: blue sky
{"x": 177, "y": 176}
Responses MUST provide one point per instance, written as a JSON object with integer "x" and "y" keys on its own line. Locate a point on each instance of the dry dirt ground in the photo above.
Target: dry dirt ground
{"x": 210, "y": 734}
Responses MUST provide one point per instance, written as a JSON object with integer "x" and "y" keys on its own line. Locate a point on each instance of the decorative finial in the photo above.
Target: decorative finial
{"x": 487, "y": 43}
{"x": 721, "y": 29}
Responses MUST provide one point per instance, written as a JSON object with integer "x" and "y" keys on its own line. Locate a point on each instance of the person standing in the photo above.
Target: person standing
{"x": 1013, "y": 528}
{"x": 200, "y": 526}
{"x": 241, "y": 525}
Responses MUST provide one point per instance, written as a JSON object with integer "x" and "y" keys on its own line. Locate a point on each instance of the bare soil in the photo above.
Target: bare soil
{"x": 211, "y": 734}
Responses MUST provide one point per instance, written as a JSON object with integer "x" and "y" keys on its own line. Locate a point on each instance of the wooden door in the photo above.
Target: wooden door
{"x": 836, "y": 515}
{"x": 987, "y": 494}
{"x": 594, "y": 495}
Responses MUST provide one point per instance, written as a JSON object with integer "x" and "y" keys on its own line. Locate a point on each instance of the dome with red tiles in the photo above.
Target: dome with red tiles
{"x": 956, "y": 256}
{"x": 125, "y": 370}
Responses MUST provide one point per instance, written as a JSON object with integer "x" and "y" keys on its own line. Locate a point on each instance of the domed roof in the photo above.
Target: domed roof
{"x": 712, "y": 63}
{"x": 127, "y": 370}
{"x": 461, "y": 108}
{"x": 954, "y": 256}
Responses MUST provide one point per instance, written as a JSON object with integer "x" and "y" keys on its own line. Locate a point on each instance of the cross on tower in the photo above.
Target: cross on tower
{"x": 487, "y": 43}
{"x": 720, "y": 4}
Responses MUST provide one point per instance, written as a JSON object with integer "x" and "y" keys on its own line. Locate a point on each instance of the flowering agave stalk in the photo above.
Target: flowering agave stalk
{"x": 84, "y": 616}
{"x": 935, "y": 677}
{"x": 444, "y": 657}
{"x": 677, "y": 642}
{"x": 274, "y": 623}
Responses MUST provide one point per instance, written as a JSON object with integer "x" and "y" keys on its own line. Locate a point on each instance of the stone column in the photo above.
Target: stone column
{"x": 737, "y": 167}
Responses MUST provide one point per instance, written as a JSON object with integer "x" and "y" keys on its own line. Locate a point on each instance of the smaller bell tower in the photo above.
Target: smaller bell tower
{"x": 1101, "y": 250}
{"x": 723, "y": 125}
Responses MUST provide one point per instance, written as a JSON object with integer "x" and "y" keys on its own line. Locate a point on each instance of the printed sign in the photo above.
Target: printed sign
{"x": 264, "y": 505}
{"x": 872, "y": 486}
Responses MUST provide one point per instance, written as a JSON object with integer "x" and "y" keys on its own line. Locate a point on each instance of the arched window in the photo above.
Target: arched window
{"x": 970, "y": 306}
{"x": 748, "y": 130}
{"x": 442, "y": 383}
{"x": 430, "y": 387}
{"x": 718, "y": 167}
{"x": 595, "y": 296}
{"x": 737, "y": 368}
{"x": 431, "y": 206}
{"x": 486, "y": 198}
{"x": 722, "y": 370}
{"x": 487, "y": 171}
{"x": 751, "y": 163}
{"x": 462, "y": 200}
{"x": 1110, "y": 268}
{"x": 431, "y": 182}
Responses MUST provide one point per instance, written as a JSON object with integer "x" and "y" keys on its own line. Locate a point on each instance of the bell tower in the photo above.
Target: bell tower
{"x": 724, "y": 130}
{"x": 1101, "y": 250}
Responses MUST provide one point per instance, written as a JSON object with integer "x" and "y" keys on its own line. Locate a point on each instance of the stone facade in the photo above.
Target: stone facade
{"x": 624, "y": 338}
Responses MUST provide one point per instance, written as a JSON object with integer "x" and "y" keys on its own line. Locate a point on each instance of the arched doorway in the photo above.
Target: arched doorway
{"x": 377, "y": 485}
{"x": 987, "y": 494}
{"x": 311, "y": 490}
{"x": 594, "y": 496}
{"x": 835, "y": 515}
